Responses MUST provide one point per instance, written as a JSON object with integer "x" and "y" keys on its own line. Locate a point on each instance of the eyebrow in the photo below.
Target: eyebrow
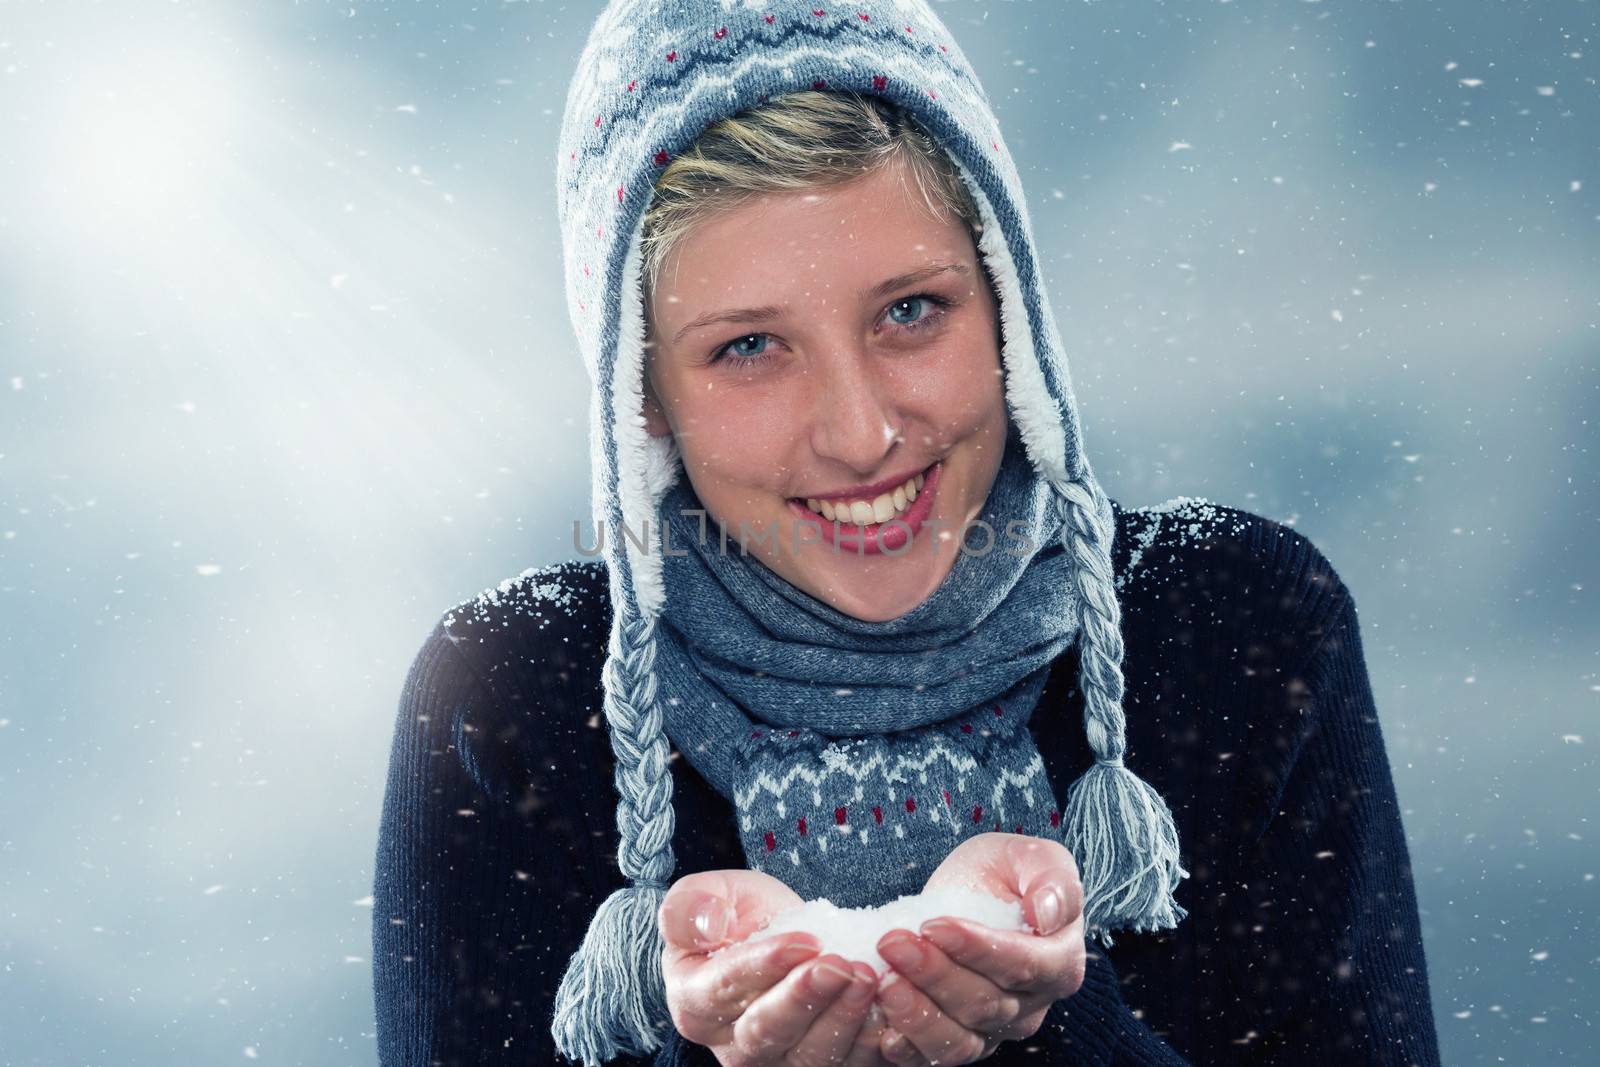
{"x": 768, "y": 312}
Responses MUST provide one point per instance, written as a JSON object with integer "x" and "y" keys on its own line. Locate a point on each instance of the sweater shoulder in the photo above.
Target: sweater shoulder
{"x": 525, "y": 683}
{"x": 542, "y": 630}
{"x": 1248, "y": 576}
{"x": 551, "y": 595}
{"x": 1156, "y": 540}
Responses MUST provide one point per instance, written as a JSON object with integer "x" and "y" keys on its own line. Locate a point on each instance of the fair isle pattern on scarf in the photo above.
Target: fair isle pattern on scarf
{"x": 883, "y": 800}
{"x": 652, "y": 76}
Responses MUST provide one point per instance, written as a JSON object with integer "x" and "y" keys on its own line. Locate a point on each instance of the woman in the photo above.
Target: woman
{"x": 849, "y": 375}
{"x": 801, "y": 272}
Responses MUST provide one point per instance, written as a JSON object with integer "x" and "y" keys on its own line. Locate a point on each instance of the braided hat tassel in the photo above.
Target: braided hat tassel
{"x": 612, "y": 999}
{"x": 1117, "y": 827}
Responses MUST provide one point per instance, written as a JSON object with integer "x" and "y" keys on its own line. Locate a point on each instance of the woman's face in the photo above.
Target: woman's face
{"x": 819, "y": 343}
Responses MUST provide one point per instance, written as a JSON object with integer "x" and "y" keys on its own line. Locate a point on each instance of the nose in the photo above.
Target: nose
{"x": 855, "y": 417}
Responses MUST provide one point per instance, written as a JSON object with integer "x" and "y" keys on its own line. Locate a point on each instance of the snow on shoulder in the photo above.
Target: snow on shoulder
{"x": 1187, "y": 538}
{"x": 1175, "y": 525}
{"x": 539, "y": 593}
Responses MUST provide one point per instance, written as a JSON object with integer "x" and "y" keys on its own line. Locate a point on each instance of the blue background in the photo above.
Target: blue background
{"x": 285, "y": 372}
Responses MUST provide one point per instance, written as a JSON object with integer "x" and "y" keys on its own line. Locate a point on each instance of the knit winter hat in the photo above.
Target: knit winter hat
{"x": 653, "y": 75}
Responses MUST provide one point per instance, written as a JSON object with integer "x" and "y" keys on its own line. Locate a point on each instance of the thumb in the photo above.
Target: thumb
{"x": 1045, "y": 877}
{"x": 697, "y": 914}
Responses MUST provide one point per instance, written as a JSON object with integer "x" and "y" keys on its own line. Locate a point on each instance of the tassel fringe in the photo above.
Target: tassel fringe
{"x": 1121, "y": 834}
{"x": 613, "y": 998}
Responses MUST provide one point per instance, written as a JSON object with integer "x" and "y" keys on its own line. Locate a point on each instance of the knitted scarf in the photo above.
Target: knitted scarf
{"x": 653, "y": 74}
{"x": 895, "y": 740}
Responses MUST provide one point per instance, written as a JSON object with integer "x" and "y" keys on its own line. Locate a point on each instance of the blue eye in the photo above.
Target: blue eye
{"x": 735, "y": 349}
{"x": 911, "y": 300}
{"x": 932, "y": 308}
{"x": 929, "y": 311}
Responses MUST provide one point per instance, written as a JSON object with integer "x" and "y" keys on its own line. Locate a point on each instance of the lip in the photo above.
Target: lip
{"x": 877, "y": 537}
{"x": 865, "y": 492}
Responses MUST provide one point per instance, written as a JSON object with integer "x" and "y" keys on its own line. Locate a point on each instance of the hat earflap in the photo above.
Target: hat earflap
{"x": 613, "y": 999}
{"x": 1118, "y": 828}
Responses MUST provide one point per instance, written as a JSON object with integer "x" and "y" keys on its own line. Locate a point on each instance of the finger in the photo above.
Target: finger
{"x": 900, "y": 1052}
{"x": 778, "y": 1020}
{"x": 837, "y": 1035}
{"x": 1026, "y": 1025}
{"x": 718, "y": 989}
{"x": 1014, "y": 960}
{"x": 1046, "y": 881}
{"x": 934, "y": 1034}
{"x": 707, "y": 909}
{"x": 868, "y": 1049}
{"x": 869, "y": 1043}
{"x": 967, "y": 996}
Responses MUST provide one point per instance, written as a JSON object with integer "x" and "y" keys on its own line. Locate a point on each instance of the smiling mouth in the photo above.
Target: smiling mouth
{"x": 865, "y": 511}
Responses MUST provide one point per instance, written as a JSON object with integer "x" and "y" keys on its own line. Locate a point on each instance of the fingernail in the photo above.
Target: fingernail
{"x": 711, "y": 920}
{"x": 794, "y": 955}
{"x": 947, "y": 936}
{"x": 1047, "y": 909}
{"x": 829, "y": 978}
{"x": 902, "y": 952}
{"x": 894, "y": 1045}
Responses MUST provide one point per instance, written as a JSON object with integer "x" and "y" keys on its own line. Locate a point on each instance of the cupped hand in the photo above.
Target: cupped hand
{"x": 773, "y": 1001}
{"x": 955, "y": 993}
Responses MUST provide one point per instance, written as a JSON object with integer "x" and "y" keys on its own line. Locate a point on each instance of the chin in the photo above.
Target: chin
{"x": 897, "y": 583}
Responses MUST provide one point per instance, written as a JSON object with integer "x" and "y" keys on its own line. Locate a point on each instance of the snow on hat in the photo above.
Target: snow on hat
{"x": 654, "y": 74}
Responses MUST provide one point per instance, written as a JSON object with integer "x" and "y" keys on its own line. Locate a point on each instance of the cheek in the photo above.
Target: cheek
{"x": 734, "y": 433}
{"x": 956, "y": 384}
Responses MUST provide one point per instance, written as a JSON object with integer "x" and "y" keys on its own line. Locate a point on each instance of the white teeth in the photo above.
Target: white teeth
{"x": 863, "y": 512}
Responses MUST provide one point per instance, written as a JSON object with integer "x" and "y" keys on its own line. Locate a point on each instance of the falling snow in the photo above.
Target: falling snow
{"x": 1308, "y": 261}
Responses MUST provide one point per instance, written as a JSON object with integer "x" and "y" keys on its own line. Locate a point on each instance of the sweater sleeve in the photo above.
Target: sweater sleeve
{"x": 1340, "y": 977}
{"x": 477, "y": 900}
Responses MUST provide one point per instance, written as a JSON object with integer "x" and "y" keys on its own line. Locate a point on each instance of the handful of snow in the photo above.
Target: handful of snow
{"x": 854, "y": 932}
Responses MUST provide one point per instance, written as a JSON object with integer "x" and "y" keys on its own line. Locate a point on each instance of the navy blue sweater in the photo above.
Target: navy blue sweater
{"x": 1248, "y": 708}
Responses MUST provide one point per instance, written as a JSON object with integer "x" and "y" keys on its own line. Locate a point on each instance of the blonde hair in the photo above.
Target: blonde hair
{"x": 797, "y": 140}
